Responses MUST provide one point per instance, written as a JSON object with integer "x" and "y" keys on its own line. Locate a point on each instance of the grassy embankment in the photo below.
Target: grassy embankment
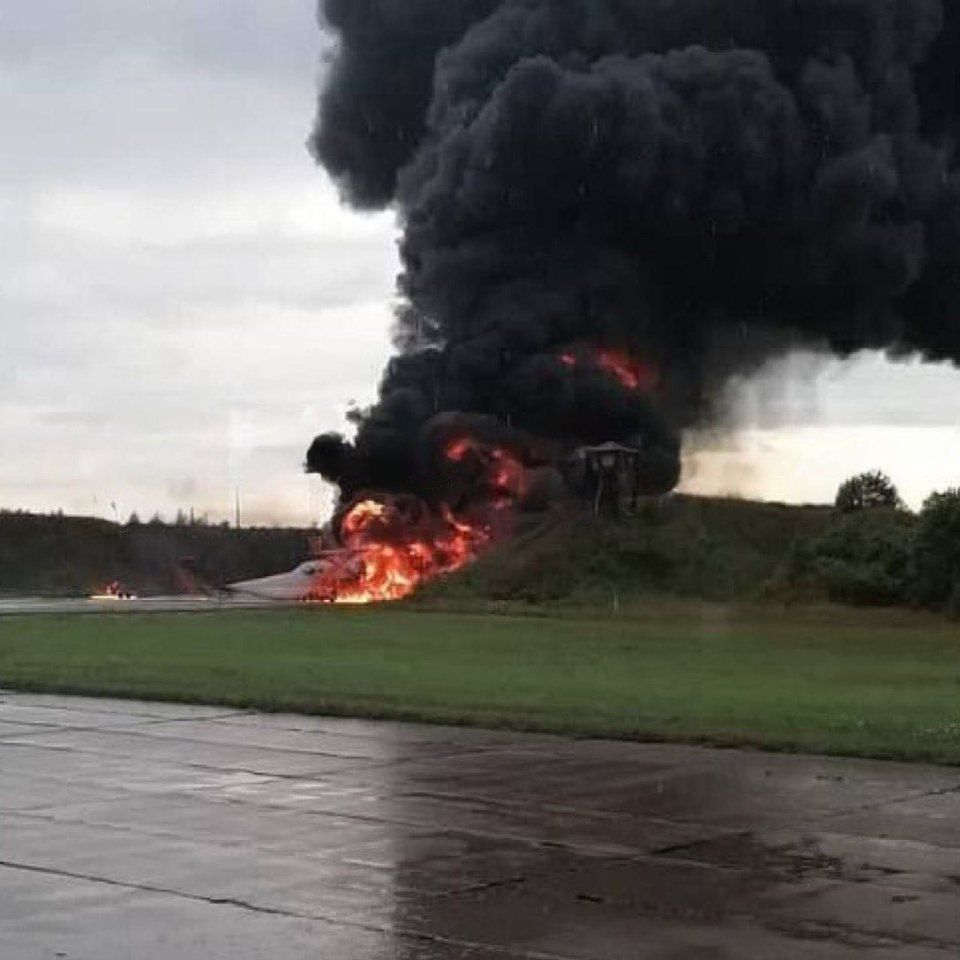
{"x": 697, "y": 548}
{"x": 879, "y": 683}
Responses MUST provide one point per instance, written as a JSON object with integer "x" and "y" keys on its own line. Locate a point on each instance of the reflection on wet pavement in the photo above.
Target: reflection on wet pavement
{"x": 134, "y": 830}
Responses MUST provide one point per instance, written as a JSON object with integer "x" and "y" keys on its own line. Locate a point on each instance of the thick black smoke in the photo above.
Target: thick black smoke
{"x": 702, "y": 183}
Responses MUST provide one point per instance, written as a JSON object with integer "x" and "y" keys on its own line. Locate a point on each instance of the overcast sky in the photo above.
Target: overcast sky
{"x": 184, "y": 304}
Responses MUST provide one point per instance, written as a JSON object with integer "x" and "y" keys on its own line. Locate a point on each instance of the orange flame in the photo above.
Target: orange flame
{"x": 114, "y": 590}
{"x": 361, "y": 516}
{"x": 458, "y": 449}
{"x": 633, "y": 373}
{"x": 508, "y": 476}
{"x": 505, "y": 475}
{"x": 387, "y": 556}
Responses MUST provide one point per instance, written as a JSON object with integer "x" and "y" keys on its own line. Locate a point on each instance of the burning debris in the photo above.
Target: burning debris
{"x": 114, "y": 590}
{"x": 501, "y": 474}
{"x": 611, "y": 208}
{"x": 395, "y": 544}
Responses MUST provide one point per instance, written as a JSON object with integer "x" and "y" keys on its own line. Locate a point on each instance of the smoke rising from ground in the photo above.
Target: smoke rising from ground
{"x": 703, "y": 184}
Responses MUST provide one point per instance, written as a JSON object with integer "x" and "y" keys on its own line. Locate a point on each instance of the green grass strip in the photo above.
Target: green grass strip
{"x": 861, "y": 684}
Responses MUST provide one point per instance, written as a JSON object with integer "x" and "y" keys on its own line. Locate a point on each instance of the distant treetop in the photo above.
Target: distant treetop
{"x": 867, "y": 491}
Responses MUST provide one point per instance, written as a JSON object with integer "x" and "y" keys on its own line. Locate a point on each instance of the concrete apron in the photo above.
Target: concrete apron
{"x": 147, "y": 831}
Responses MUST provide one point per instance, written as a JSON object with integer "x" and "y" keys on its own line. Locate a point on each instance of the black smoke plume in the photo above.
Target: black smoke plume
{"x": 699, "y": 183}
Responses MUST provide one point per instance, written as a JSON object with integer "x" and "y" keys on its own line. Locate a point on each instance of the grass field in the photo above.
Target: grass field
{"x": 873, "y": 684}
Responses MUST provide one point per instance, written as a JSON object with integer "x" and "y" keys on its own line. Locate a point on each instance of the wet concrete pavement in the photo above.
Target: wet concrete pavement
{"x": 143, "y": 831}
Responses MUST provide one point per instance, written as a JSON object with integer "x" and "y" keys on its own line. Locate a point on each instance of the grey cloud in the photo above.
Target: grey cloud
{"x": 99, "y": 282}
{"x": 159, "y": 283}
{"x": 131, "y": 125}
{"x": 263, "y": 37}
{"x": 73, "y": 418}
{"x": 866, "y": 390}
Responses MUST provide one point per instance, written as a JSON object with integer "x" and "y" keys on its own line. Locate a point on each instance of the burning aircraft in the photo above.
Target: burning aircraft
{"x": 305, "y": 583}
{"x": 611, "y": 209}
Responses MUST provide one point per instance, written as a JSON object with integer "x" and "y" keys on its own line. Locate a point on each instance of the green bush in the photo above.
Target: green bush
{"x": 936, "y": 549}
{"x": 864, "y": 557}
{"x": 953, "y": 603}
{"x": 867, "y": 491}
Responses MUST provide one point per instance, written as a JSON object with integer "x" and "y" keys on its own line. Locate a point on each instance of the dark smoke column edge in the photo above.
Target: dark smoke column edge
{"x": 372, "y": 113}
{"x": 709, "y": 186}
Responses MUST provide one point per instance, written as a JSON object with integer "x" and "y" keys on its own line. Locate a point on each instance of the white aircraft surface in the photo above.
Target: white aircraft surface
{"x": 313, "y": 580}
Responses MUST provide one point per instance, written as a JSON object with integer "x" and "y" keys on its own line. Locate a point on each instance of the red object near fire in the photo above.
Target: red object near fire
{"x": 632, "y": 372}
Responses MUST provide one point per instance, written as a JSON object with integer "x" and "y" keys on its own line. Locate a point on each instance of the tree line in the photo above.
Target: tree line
{"x": 875, "y": 551}
{"x": 62, "y": 555}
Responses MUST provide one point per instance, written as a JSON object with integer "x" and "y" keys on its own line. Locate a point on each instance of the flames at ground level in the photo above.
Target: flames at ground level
{"x": 392, "y": 545}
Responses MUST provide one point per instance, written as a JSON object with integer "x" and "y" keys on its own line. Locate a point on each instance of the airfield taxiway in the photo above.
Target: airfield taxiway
{"x": 24, "y": 606}
{"x": 158, "y": 831}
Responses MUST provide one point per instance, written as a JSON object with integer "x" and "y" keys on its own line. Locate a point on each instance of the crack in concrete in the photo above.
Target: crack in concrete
{"x": 366, "y": 926}
{"x": 76, "y": 705}
{"x": 363, "y": 765}
{"x": 583, "y": 850}
{"x": 145, "y": 734}
{"x": 850, "y": 935}
{"x": 889, "y": 802}
{"x": 317, "y": 777}
{"x": 216, "y": 718}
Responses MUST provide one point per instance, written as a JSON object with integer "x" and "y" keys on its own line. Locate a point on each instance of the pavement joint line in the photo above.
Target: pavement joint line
{"x": 263, "y": 778}
{"x": 583, "y": 849}
{"x": 142, "y": 730}
{"x": 799, "y": 929}
{"x": 890, "y": 801}
{"x": 837, "y": 932}
{"x": 586, "y": 852}
{"x": 307, "y": 723}
{"x": 939, "y": 792}
{"x": 160, "y": 834}
{"x": 605, "y": 816}
{"x": 157, "y": 721}
{"x": 39, "y": 817}
{"x": 363, "y": 766}
{"x": 670, "y": 850}
{"x": 488, "y": 805}
{"x": 318, "y": 777}
{"x": 38, "y": 730}
{"x": 456, "y": 797}
{"x": 383, "y": 929}
{"x": 43, "y": 729}
{"x": 43, "y": 724}
{"x": 89, "y": 705}
{"x": 886, "y": 880}
{"x": 591, "y": 851}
